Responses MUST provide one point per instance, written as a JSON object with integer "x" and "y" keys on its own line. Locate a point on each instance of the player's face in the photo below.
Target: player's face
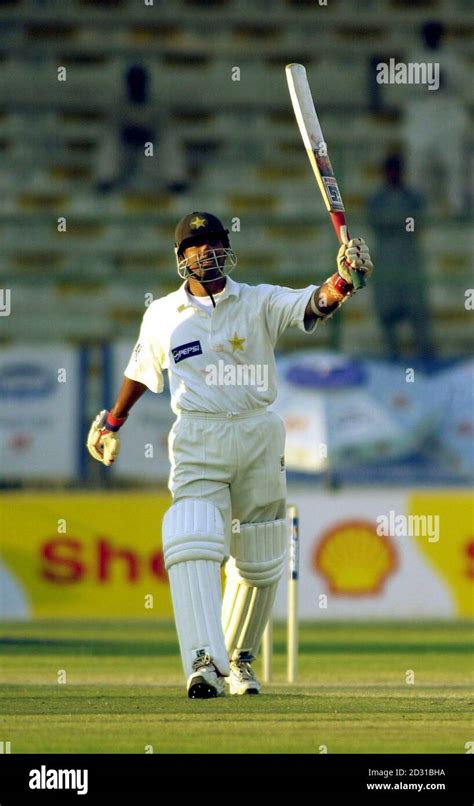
{"x": 206, "y": 260}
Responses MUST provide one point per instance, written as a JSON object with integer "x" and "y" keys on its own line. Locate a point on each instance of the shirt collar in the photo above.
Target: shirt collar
{"x": 231, "y": 289}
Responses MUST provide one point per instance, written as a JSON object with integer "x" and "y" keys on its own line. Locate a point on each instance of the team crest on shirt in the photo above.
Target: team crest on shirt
{"x": 237, "y": 342}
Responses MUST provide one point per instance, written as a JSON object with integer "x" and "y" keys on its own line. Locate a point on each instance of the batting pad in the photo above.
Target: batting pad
{"x": 193, "y": 546}
{"x": 252, "y": 576}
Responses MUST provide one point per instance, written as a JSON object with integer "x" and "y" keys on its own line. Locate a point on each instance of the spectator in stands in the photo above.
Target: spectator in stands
{"x": 436, "y": 124}
{"x": 396, "y": 212}
{"x": 134, "y": 124}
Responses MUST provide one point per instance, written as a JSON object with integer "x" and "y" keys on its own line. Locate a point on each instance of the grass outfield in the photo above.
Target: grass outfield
{"x": 124, "y": 692}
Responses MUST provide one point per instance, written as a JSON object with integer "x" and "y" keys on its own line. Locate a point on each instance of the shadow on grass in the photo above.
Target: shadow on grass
{"x": 97, "y": 647}
{"x": 51, "y": 646}
{"x": 172, "y": 703}
{"x": 375, "y": 648}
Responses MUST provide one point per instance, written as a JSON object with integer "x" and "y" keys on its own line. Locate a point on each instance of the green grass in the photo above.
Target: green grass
{"x": 124, "y": 692}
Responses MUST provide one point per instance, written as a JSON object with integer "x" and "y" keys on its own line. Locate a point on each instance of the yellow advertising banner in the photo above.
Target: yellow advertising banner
{"x": 451, "y": 552}
{"x": 84, "y": 554}
{"x": 99, "y": 555}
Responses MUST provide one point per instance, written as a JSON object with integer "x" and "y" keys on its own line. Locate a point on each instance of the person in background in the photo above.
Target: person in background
{"x": 395, "y": 213}
{"x": 122, "y": 161}
{"x": 435, "y": 125}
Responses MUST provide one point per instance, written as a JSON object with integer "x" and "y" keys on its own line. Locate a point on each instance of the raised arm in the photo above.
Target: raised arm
{"x": 336, "y": 289}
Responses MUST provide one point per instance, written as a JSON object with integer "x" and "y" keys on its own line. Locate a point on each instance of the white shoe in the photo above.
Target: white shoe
{"x": 205, "y": 681}
{"x": 242, "y": 678}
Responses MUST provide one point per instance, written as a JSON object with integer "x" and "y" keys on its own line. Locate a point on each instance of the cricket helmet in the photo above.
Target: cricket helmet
{"x": 195, "y": 229}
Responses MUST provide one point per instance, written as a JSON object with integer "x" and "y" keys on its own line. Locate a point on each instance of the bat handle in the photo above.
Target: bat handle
{"x": 338, "y": 221}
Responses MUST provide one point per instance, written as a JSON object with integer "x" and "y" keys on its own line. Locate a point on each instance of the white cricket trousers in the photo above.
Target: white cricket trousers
{"x": 234, "y": 460}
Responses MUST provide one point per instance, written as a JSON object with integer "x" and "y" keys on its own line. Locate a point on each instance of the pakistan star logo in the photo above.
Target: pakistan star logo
{"x": 197, "y": 222}
{"x": 237, "y": 342}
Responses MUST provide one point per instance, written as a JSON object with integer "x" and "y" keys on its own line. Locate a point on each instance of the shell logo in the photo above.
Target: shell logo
{"x": 354, "y": 559}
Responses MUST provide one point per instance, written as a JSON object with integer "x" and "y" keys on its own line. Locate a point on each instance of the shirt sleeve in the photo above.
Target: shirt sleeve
{"x": 285, "y": 307}
{"x": 145, "y": 365}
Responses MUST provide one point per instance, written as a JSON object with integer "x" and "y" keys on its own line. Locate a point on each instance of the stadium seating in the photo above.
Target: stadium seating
{"x": 243, "y": 151}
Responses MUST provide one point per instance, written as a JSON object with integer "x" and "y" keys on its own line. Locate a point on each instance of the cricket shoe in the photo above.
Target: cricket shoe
{"x": 242, "y": 678}
{"x": 205, "y": 681}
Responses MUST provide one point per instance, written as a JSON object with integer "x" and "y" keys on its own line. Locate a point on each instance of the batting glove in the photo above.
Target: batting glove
{"x": 103, "y": 442}
{"x": 354, "y": 255}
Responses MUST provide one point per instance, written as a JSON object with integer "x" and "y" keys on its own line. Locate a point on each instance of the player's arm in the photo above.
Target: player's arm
{"x": 103, "y": 442}
{"x": 337, "y": 288}
{"x": 129, "y": 393}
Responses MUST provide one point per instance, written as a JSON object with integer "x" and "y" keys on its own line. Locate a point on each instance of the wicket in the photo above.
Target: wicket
{"x": 292, "y": 608}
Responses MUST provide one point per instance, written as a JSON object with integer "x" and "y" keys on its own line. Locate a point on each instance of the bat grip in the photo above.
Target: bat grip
{"x": 338, "y": 221}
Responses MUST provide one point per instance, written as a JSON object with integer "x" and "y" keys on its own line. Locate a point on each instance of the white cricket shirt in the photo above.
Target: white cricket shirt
{"x": 218, "y": 359}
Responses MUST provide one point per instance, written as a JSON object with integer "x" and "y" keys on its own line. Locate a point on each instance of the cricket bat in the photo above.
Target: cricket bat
{"x": 313, "y": 140}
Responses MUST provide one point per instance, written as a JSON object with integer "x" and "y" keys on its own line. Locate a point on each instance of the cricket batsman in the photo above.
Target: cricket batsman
{"x": 227, "y": 476}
